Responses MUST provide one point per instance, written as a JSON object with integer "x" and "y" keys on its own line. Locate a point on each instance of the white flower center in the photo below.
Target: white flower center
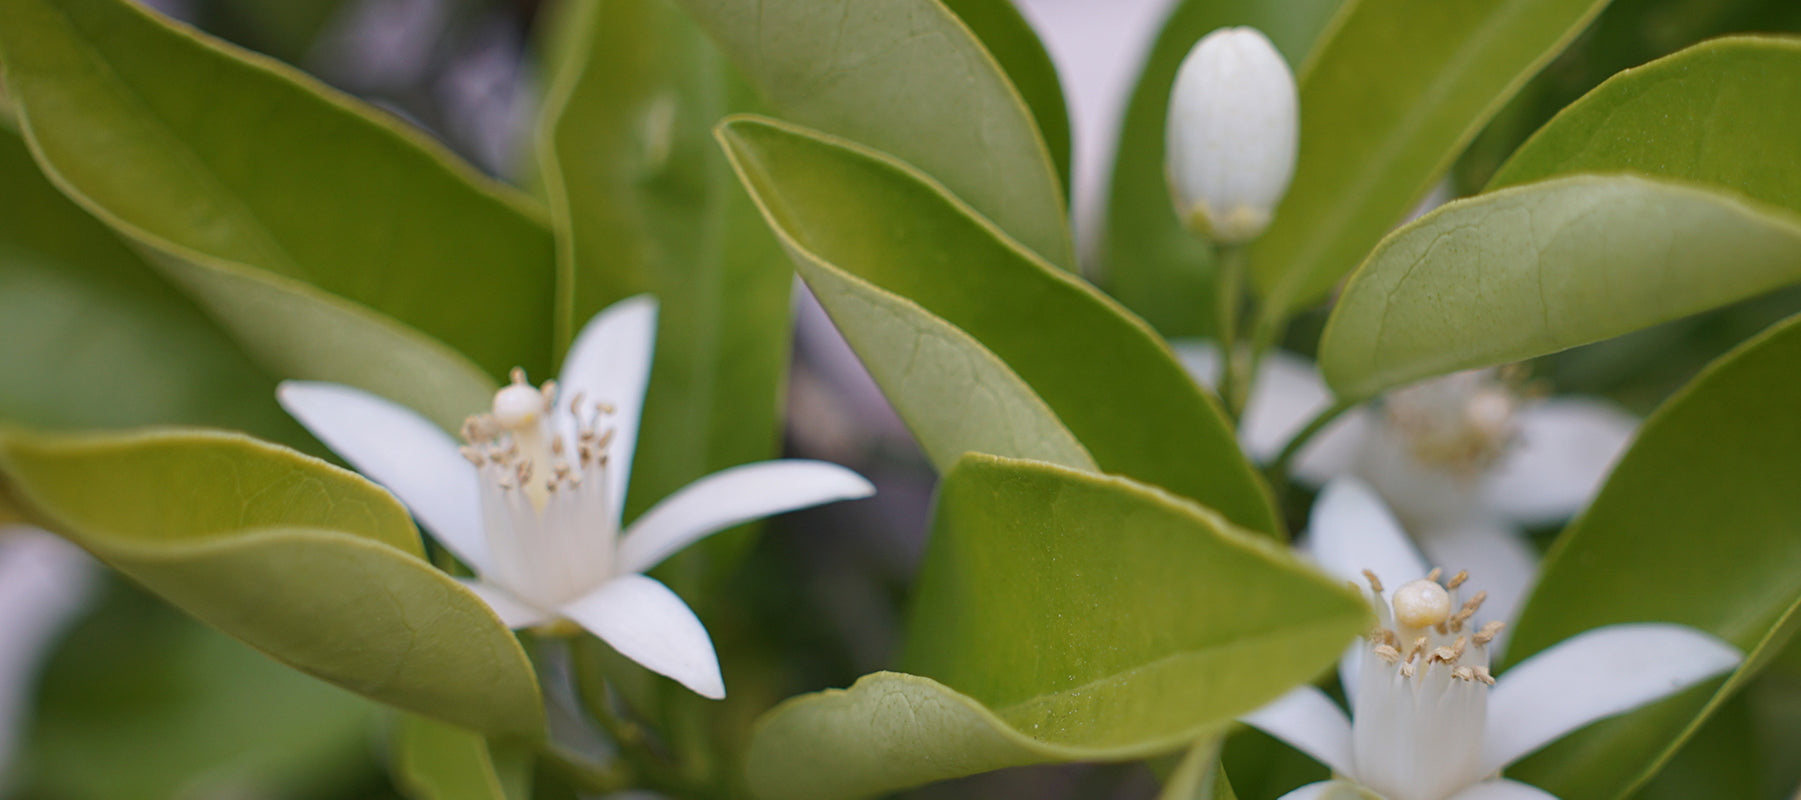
{"x": 1421, "y": 694}
{"x": 550, "y": 523}
{"x": 1436, "y": 440}
{"x": 1461, "y": 423}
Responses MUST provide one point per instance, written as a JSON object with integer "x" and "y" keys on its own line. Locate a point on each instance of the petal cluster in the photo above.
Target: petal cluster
{"x": 1428, "y": 721}
{"x": 532, "y": 499}
{"x": 1467, "y": 461}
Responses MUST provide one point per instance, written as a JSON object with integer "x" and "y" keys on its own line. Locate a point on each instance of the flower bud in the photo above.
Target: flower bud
{"x": 1230, "y": 145}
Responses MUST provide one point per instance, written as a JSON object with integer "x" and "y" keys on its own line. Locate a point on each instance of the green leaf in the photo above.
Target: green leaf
{"x": 1153, "y": 265}
{"x": 1699, "y": 525}
{"x": 84, "y": 322}
{"x": 266, "y": 177}
{"x": 909, "y": 78}
{"x": 1063, "y": 615}
{"x": 436, "y": 761}
{"x": 1015, "y": 46}
{"x": 1531, "y": 270}
{"x": 1393, "y": 94}
{"x": 1721, "y": 114}
{"x": 644, "y": 201}
{"x": 307, "y": 562}
{"x": 139, "y": 702}
{"x": 1104, "y": 373}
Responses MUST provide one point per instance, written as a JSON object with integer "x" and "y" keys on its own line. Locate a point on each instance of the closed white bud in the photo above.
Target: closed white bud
{"x": 1231, "y": 137}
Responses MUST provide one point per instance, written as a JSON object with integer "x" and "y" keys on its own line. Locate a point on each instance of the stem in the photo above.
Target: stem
{"x": 1234, "y": 384}
{"x": 1278, "y": 470}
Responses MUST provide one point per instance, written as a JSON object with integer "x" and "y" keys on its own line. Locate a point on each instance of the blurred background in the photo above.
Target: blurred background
{"x": 135, "y": 700}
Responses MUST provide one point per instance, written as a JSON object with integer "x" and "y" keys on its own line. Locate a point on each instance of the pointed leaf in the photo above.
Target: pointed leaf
{"x": 1107, "y": 376}
{"x": 956, "y": 395}
{"x": 1063, "y": 615}
{"x": 1009, "y": 38}
{"x": 1705, "y": 501}
{"x": 1155, "y": 266}
{"x": 1531, "y": 270}
{"x": 308, "y": 563}
{"x": 1391, "y": 96}
{"x": 216, "y": 155}
{"x": 644, "y": 202}
{"x": 908, "y": 78}
{"x": 1721, "y": 114}
{"x": 84, "y": 321}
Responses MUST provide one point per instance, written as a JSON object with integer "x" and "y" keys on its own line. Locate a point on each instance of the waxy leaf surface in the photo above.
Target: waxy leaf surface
{"x": 1152, "y": 264}
{"x": 1063, "y": 615}
{"x": 85, "y": 323}
{"x": 1700, "y": 524}
{"x": 1721, "y": 114}
{"x": 909, "y": 78}
{"x": 1531, "y": 270}
{"x": 1392, "y": 95}
{"x": 276, "y": 192}
{"x": 307, "y": 562}
{"x": 1105, "y": 374}
{"x": 643, "y": 201}
{"x": 1006, "y": 34}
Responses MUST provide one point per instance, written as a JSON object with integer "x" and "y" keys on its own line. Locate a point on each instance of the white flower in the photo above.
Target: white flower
{"x": 1467, "y": 461}
{"x": 1428, "y": 721}
{"x": 1229, "y": 145}
{"x": 533, "y": 502}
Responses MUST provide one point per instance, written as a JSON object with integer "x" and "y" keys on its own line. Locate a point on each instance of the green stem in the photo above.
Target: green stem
{"x": 1229, "y": 290}
{"x": 1278, "y": 470}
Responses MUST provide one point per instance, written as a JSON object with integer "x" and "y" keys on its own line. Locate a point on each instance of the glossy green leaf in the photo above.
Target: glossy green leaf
{"x": 1063, "y": 615}
{"x": 1153, "y": 265}
{"x": 436, "y": 761}
{"x": 1009, "y": 37}
{"x": 643, "y": 201}
{"x": 1535, "y": 269}
{"x": 909, "y": 78}
{"x": 85, "y": 322}
{"x": 1392, "y": 95}
{"x": 220, "y": 156}
{"x": 1721, "y": 114}
{"x": 1105, "y": 374}
{"x": 307, "y": 562}
{"x": 1705, "y": 501}
{"x": 140, "y": 702}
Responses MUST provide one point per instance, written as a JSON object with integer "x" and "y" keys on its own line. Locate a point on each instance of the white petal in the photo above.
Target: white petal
{"x": 1331, "y": 790}
{"x": 1592, "y": 675}
{"x": 610, "y": 363}
{"x": 1310, "y": 722}
{"x": 1499, "y": 559}
{"x": 404, "y": 452}
{"x": 1288, "y": 393}
{"x": 649, "y": 624}
{"x": 45, "y": 583}
{"x": 513, "y": 612}
{"x": 1502, "y": 789}
{"x": 730, "y": 497}
{"x": 1335, "y": 449}
{"x": 1352, "y": 531}
{"x": 1567, "y": 447}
